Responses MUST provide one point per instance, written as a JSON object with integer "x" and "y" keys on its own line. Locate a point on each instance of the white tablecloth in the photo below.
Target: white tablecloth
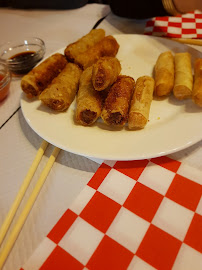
{"x": 19, "y": 143}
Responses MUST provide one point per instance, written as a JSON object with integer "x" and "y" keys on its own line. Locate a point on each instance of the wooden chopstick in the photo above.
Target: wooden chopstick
{"x": 187, "y": 41}
{"x": 22, "y": 190}
{"x": 21, "y": 220}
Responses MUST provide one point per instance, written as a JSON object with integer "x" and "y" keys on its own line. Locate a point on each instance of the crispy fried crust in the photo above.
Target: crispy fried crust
{"x": 89, "y": 101}
{"x": 197, "y": 89}
{"x": 83, "y": 44}
{"x": 116, "y": 106}
{"x": 164, "y": 74}
{"x": 41, "y": 76}
{"x": 62, "y": 91}
{"x": 141, "y": 102}
{"x": 183, "y": 76}
{"x": 108, "y": 46}
{"x": 105, "y": 72}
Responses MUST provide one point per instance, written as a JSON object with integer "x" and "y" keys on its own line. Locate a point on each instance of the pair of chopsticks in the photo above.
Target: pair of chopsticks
{"x": 21, "y": 220}
{"x": 188, "y": 41}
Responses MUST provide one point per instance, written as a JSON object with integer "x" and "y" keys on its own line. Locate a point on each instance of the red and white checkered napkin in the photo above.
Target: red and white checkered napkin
{"x": 184, "y": 26}
{"x": 132, "y": 215}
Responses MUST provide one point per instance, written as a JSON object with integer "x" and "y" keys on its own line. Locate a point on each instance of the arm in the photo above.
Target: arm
{"x": 184, "y": 6}
{"x": 142, "y": 9}
{"x": 137, "y": 9}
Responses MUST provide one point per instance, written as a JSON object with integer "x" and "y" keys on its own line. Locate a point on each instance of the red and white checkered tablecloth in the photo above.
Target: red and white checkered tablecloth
{"x": 144, "y": 214}
{"x": 183, "y": 26}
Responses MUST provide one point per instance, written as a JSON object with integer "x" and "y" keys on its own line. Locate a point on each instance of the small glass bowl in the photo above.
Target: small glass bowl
{"x": 22, "y": 55}
{"x": 5, "y": 79}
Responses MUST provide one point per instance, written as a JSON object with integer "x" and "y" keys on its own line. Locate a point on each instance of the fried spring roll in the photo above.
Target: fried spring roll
{"x": 116, "y": 106}
{"x": 41, "y": 76}
{"x": 164, "y": 74}
{"x": 183, "y": 76}
{"x": 84, "y": 43}
{"x": 197, "y": 89}
{"x": 105, "y": 72}
{"x": 108, "y": 46}
{"x": 141, "y": 102}
{"x": 89, "y": 101}
{"x": 62, "y": 90}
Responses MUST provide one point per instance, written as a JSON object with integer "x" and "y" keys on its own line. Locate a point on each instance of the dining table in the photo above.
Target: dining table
{"x": 155, "y": 201}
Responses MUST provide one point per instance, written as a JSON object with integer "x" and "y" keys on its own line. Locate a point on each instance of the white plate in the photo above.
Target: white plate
{"x": 173, "y": 125}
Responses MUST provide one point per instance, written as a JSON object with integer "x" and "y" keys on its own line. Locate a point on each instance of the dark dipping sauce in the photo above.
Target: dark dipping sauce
{"x": 4, "y": 90}
{"x": 23, "y": 62}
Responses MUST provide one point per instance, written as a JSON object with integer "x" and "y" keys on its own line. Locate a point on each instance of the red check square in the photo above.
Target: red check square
{"x": 167, "y": 163}
{"x": 132, "y": 169}
{"x": 110, "y": 255}
{"x": 99, "y": 176}
{"x": 143, "y": 201}
{"x": 174, "y": 35}
{"x": 150, "y": 23}
{"x": 100, "y": 211}
{"x": 160, "y": 29}
{"x": 60, "y": 259}
{"x": 159, "y": 248}
{"x": 185, "y": 192}
{"x": 174, "y": 24}
{"x": 188, "y": 31}
{"x": 199, "y": 36}
{"x": 188, "y": 19}
{"x": 198, "y": 16}
{"x": 62, "y": 226}
{"x": 199, "y": 25}
{"x": 194, "y": 234}
{"x": 165, "y": 19}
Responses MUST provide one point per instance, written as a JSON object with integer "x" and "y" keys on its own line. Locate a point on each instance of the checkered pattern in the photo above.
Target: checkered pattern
{"x": 131, "y": 215}
{"x": 184, "y": 26}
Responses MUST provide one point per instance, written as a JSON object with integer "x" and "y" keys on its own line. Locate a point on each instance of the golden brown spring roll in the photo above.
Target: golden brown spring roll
{"x": 89, "y": 101}
{"x": 164, "y": 74}
{"x": 84, "y": 43}
{"x": 116, "y": 106}
{"x": 183, "y": 76}
{"x": 108, "y": 46}
{"x": 141, "y": 102}
{"x": 197, "y": 89}
{"x": 105, "y": 72}
{"x": 41, "y": 76}
{"x": 62, "y": 90}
